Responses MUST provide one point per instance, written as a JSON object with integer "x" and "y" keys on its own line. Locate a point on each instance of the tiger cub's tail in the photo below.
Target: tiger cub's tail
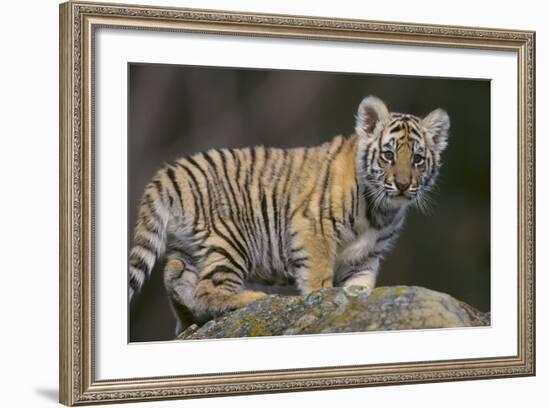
{"x": 149, "y": 242}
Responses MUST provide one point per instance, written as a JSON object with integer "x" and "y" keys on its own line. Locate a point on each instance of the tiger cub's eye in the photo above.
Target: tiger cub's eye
{"x": 388, "y": 155}
{"x": 417, "y": 159}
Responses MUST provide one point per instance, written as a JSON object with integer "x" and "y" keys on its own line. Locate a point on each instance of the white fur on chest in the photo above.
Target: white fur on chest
{"x": 365, "y": 241}
{"x": 358, "y": 246}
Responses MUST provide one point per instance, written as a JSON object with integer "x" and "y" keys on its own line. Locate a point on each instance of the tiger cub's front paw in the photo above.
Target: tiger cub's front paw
{"x": 366, "y": 280}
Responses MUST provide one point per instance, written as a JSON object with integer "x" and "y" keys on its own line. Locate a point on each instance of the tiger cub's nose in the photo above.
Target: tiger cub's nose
{"x": 402, "y": 185}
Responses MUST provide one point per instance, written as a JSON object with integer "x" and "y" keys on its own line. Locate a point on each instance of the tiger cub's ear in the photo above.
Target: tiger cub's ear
{"x": 436, "y": 127}
{"x": 371, "y": 117}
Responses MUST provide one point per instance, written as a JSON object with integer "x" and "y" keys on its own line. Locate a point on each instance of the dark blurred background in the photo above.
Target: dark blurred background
{"x": 177, "y": 110}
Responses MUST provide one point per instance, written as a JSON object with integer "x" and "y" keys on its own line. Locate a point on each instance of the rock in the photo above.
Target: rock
{"x": 341, "y": 310}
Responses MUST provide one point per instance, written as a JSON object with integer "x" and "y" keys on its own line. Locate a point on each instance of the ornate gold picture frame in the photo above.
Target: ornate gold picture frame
{"x": 79, "y": 22}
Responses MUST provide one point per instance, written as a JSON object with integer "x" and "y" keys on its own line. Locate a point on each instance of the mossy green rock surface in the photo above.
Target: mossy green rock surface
{"x": 342, "y": 310}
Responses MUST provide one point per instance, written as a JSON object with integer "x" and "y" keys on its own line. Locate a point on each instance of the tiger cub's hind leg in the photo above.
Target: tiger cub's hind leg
{"x": 214, "y": 300}
{"x": 221, "y": 286}
{"x": 180, "y": 281}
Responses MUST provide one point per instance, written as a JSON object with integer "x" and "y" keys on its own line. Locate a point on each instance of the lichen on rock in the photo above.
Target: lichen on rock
{"x": 342, "y": 310}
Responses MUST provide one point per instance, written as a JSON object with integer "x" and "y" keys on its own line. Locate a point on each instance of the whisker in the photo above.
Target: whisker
{"x": 379, "y": 198}
{"x": 424, "y": 203}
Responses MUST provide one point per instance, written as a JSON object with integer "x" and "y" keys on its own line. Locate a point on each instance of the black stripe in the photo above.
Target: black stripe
{"x": 387, "y": 237}
{"x": 263, "y": 203}
{"x": 345, "y": 276}
{"x": 151, "y": 221}
{"x": 356, "y": 267}
{"x": 380, "y": 146}
{"x": 202, "y": 294}
{"x": 300, "y": 262}
{"x": 145, "y": 248}
{"x": 139, "y": 263}
{"x": 250, "y": 170}
{"x": 226, "y": 281}
{"x": 213, "y": 184}
{"x": 141, "y": 241}
{"x": 267, "y": 155}
{"x": 196, "y": 211}
{"x": 277, "y": 223}
{"x": 225, "y": 254}
{"x": 172, "y": 251}
{"x": 304, "y": 160}
{"x": 366, "y": 156}
{"x": 152, "y": 209}
{"x": 353, "y": 213}
{"x": 305, "y": 204}
{"x": 134, "y": 283}
{"x": 364, "y": 260}
{"x": 209, "y": 158}
{"x": 237, "y": 161}
{"x": 220, "y": 269}
{"x": 414, "y": 130}
{"x": 172, "y": 176}
{"x": 298, "y": 265}
{"x": 430, "y": 162}
{"x": 151, "y": 227}
{"x": 371, "y": 159}
{"x": 406, "y": 126}
{"x": 286, "y": 209}
{"x": 266, "y": 223}
{"x": 158, "y": 186}
{"x": 252, "y": 157}
{"x": 197, "y": 189}
{"x": 356, "y": 202}
{"x": 251, "y": 211}
{"x": 322, "y": 196}
{"x": 250, "y": 219}
{"x": 198, "y": 167}
{"x": 396, "y": 128}
{"x": 433, "y": 163}
{"x": 250, "y": 175}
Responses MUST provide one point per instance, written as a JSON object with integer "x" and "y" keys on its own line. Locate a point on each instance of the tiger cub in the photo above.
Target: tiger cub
{"x": 319, "y": 217}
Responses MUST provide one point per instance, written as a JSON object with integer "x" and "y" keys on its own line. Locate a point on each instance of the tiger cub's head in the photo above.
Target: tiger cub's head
{"x": 399, "y": 154}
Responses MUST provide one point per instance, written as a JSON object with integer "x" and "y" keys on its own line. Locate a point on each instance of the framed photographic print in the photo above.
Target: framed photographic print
{"x": 260, "y": 203}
